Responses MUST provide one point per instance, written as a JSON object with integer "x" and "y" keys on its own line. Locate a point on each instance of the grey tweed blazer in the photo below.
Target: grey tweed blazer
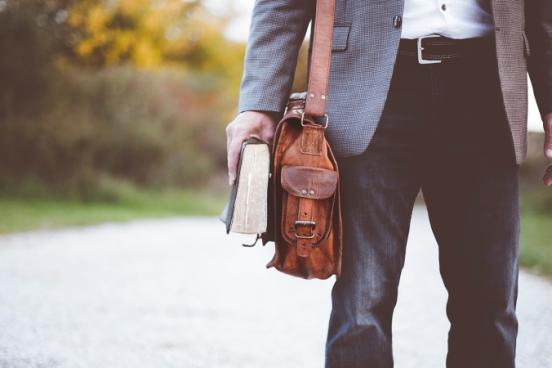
{"x": 365, "y": 43}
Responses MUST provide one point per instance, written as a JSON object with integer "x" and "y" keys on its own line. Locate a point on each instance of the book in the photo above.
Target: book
{"x": 245, "y": 211}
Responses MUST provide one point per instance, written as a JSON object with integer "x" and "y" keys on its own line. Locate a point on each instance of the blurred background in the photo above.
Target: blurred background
{"x": 115, "y": 110}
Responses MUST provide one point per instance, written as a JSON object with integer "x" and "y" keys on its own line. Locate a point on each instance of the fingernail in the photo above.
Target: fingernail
{"x": 549, "y": 153}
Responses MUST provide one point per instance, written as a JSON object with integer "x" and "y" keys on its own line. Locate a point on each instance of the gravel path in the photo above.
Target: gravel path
{"x": 181, "y": 293}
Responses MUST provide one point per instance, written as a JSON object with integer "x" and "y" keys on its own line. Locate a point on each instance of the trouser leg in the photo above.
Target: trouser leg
{"x": 376, "y": 220}
{"x": 476, "y": 223}
{"x": 378, "y": 191}
{"x": 470, "y": 185}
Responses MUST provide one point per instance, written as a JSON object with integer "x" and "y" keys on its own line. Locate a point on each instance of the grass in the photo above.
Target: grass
{"x": 536, "y": 242}
{"x": 124, "y": 202}
{"x": 21, "y": 213}
{"x": 536, "y": 230}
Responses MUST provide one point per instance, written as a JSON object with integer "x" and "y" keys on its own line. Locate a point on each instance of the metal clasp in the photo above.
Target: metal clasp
{"x": 325, "y": 122}
{"x": 304, "y": 223}
{"x": 421, "y": 60}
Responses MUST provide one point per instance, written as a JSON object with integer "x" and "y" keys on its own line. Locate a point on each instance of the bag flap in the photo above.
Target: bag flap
{"x": 309, "y": 182}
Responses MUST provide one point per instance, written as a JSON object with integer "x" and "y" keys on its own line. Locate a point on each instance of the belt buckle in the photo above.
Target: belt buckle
{"x": 421, "y": 60}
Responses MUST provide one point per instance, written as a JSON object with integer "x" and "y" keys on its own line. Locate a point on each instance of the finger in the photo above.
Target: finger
{"x": 233, "y": 155}
{"x": 548, "y": 149}
{"x": 229, "y": 136}
{"x": 267, "y": 134}
{"x": 230, "y": 152}
{"x": 548, "y": 141}
{"x": 251, "y": 135}
{"x": 547, "y": 179}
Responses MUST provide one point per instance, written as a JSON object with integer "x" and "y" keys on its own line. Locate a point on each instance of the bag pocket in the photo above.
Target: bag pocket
{"x": 308, "y": 198}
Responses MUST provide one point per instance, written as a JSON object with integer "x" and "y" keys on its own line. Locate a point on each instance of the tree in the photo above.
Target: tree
{"x": 139, "y": 32}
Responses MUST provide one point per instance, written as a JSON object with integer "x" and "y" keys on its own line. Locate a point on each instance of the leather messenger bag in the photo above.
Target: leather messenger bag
{"x": 304, "y": 218}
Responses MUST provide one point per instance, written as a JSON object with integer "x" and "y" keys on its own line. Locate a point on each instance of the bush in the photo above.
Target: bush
{"x": 154, "y": 128}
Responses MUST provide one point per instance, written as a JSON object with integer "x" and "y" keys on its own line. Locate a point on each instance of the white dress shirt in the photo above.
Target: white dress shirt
{"x": 450, "y": 18}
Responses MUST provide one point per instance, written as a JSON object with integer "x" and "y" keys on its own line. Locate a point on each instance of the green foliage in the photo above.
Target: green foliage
{"x": 536, "y": 242}
{"x": 536, "y": 221}
{"x": 24, "y": 213}
{"x": 80, "y": 100}
{"x": 138, "y": 31}
{"x": 35, "y": 34}
{"x": 107, "y": 32}
{"x": 155, "y": 128}
{"x": 536, "y": 197}
{"x": 28, "y": 41}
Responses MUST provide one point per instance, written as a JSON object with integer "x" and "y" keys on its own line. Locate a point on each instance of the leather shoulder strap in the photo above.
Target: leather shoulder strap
{"x": 320, "y": 58}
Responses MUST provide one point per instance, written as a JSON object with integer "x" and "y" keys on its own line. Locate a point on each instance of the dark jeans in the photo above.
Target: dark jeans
{"x": 444, "y": 131}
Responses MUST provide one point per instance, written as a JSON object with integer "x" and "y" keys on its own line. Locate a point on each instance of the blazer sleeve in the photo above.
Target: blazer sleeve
{"x": 538, "y": 28}
{"x": 276, "y": 33}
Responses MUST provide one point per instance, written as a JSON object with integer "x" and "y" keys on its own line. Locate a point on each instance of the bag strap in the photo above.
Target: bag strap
{"x": 317, "y": 94}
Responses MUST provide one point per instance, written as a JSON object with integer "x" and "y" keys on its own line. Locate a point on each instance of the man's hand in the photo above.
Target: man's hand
{"x": 548, "y": 147}
{"x": 246, "y": 125}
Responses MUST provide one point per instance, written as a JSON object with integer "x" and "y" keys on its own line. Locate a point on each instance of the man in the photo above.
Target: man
{"x": 423, "y": 94}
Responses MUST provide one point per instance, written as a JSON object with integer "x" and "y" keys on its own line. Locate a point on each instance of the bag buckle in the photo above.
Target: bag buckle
{"x": 304, "y": 223}
{"x": 325, "y": 122}
{"x": 421, "y": 59}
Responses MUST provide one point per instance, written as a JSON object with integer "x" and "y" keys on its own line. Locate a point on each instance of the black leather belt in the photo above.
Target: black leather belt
{"x": 434, "y": 49}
